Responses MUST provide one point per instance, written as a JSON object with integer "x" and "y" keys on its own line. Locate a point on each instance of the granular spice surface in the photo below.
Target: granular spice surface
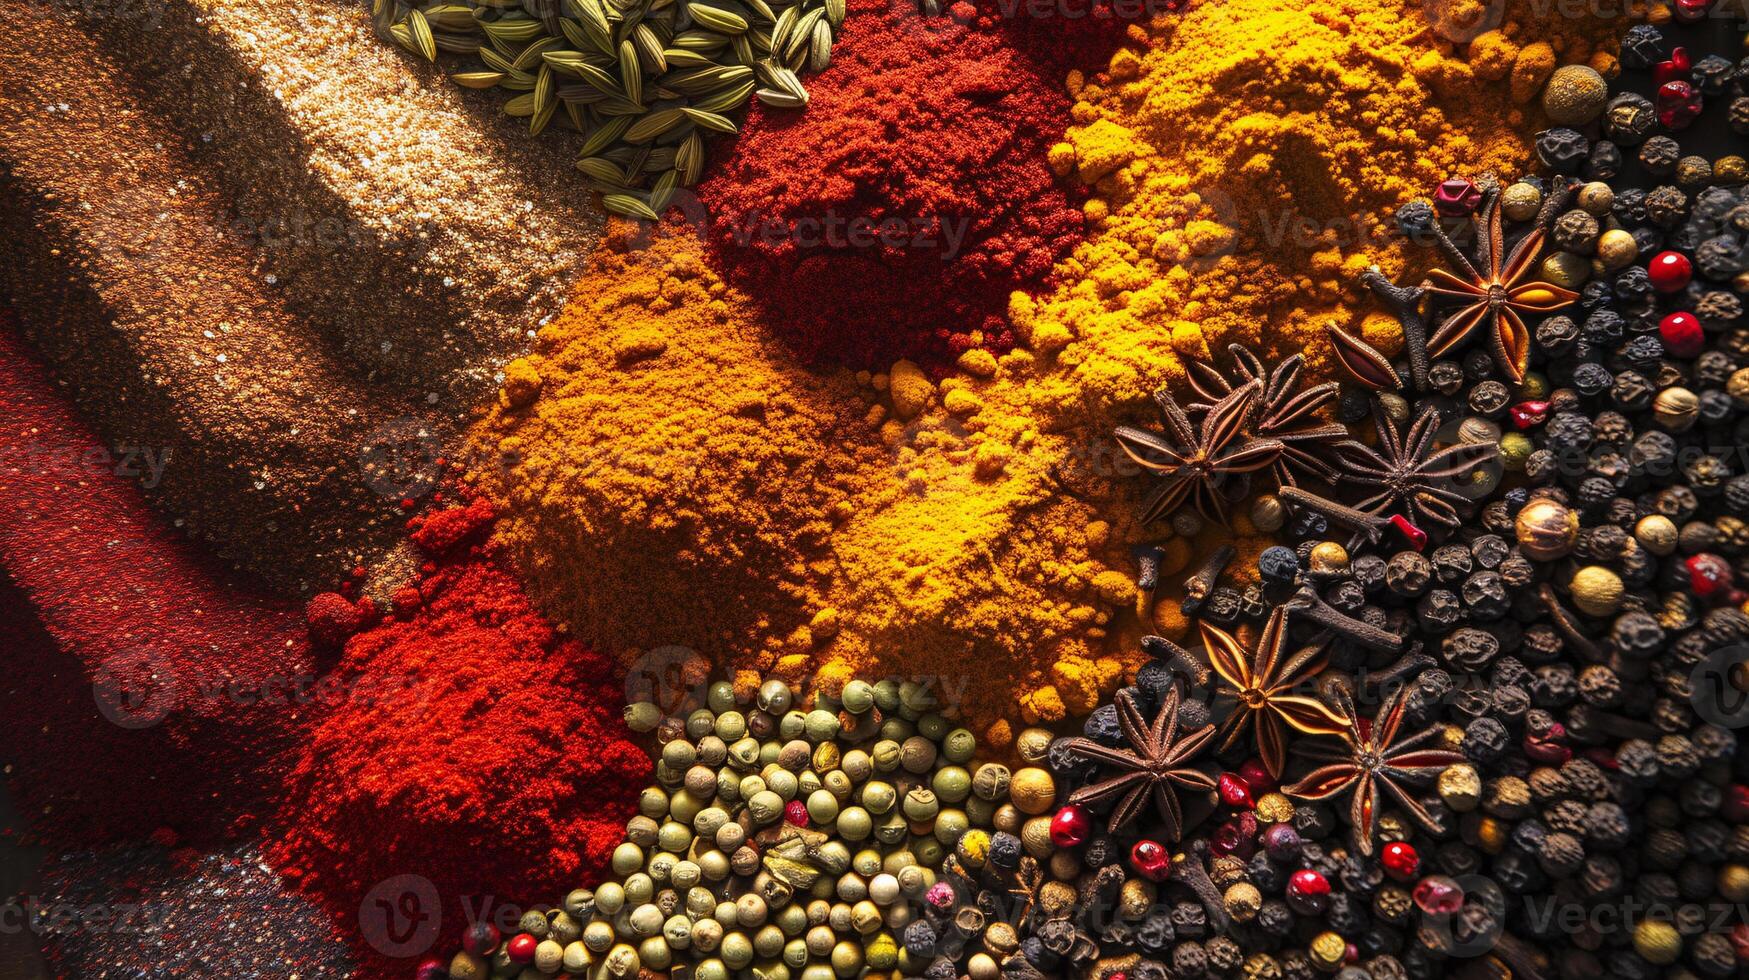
{"x": 662, "y": 441}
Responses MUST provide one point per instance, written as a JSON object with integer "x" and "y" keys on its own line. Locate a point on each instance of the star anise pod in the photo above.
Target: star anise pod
{"x": 1496, "y": 289}
{"x": 1410, "y": 473}
{"x": 1197, "y": 461}
{"x": 1284, "y": 412}
{"x": 1261, "y": 686}
{"x": 1375, "y": 760}
{"x": 1154, "y": 766}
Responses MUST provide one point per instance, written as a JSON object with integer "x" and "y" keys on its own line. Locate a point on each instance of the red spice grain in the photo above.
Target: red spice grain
{"x": 138, "y": 713}
{"x": 486, "y": 753}
{"x": 896, "y": 215}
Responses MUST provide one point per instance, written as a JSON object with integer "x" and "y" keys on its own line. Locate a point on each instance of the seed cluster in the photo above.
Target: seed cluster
{"x": 1523, "y": 612}
{"x": 856, "y": 835}
{"x": 645, "y": 81}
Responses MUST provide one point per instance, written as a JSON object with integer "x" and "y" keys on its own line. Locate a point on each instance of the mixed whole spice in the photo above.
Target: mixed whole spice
{"x": 1453, "y": 643}
{"x": 1479, "y": 697}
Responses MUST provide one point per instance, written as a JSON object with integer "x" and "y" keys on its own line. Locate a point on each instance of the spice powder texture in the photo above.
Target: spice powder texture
{"x": 671, "y": 474}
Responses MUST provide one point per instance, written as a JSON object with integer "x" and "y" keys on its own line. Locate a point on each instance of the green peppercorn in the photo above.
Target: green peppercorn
{"x": 639, "y": 888}
{"x": 859, "y": 697}
{"x": 918, "y": 755}
{"x": 887, "y": 755}
{"x": 621, "y": 963}
{"x": 952, "y": 784}
{"x": 721, "y": 697}
{"x": 627, "y": 858}
{"x": 737, "y": 951}
{"x": 854, "y": 824}
{"x": 949, "y": 825}
{"x": 653, "y": 803}
{"x": 730, "y": 725}
{"x": 820, "y": 725}
{"x": 822, "y": 807}
{"x": 774, "y": 697}
{"x": 765, "y": 807}
{"x": 878, "y": 796}
{"x": 699, "y": 723}
{"x": 958, "y": 746}
{"x": 792, "y": 725}
{"x": 643, "y": 716}
{"x": 920, "y": 805}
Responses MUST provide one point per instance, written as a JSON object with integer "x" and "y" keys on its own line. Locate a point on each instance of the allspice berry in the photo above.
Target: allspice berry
{"x": 1657, "y": 942}
{"x": 1033, "y": 790}
{"x": 1327, "y": 950}
{"x": 1676, "y": 408}
{"x": 1547, "y": 529}
{"x": 1268, "y": 514}
{"x": 1242, "y": 901}
{"x": 1616, "y": 249}
{"x": 1566, "y": 269}
{"x": 1657, "y": 534}
{"x": 1596, "y": 590}
{"x": 1596, "y": 198}
{"x": 1328, "y": 558}
{"x": 1460, "y": 786}
{"x": 1575, "y": 95}
{"x": 1520, "y": 201}
{"x": 1032, "y": 744}
{"x": 1733, "y": 882}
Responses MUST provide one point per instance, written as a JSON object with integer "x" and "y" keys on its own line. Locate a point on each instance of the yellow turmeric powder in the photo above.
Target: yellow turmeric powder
{"x": 671, "y": 476}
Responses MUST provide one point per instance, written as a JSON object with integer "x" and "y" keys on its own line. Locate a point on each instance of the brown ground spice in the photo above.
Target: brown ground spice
{"x": 251, "y": 235}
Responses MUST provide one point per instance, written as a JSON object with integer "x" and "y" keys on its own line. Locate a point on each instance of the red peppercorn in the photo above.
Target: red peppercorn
{"x": 1234, "y": 792}
{"x": 1526, "y": 414}
{"x": 1256, "y": 777}
{"x": 1691, "y": 11}
{"x": 1736, "y": 803}
{"x": 1682, "y": 334}
{"x": 1547, "y": 748}
{"x": 1071, "y": 826}
{"x": 1709, "y": 575}
{"x": 1400, "y": 860}
{"x": 796, "y": 812}
{"x": 1416, "y": 537}
{"x": 521, "y": 948}
{"x": 1151, "y": 860}
{"x": 1308, "y": 882}
{"x": 1351, "y": 954}
{"x": 1670, "y": 271}
{"x": 1308, "y": 892}
{"x": 1674, "y": 70}
{"x": 432, "y": 969}
{"x": 1679, "y": 104}
{"x": 480, "y": 938}
{"x": 1438, "y": 895}
{"x": 1457, "y": 197}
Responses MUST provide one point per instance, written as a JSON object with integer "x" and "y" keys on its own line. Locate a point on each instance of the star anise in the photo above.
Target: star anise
{"x": 1408, "y": 472}
{"x": 1494, "y": 290}
{"x": 1260, "y": 685}
{"x": 1283, "y": 412}
{"x": 1156, "y": 763}
{"x": 1375, "y": 760}
{"x": 1195, "y": 461}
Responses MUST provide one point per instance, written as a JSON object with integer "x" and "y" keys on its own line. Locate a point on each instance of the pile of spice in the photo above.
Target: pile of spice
{"x": 267, "y": 282}
{"x": 643, "y": 83}
{"x": 794, "y": 833}
{"x": 1488, "y": 686}
{"x": 897, "y": 227}
{"x": 661, "y": 440}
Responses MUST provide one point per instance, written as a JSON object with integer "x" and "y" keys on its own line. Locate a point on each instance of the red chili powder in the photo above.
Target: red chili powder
{"x": 486, "y": 754}
{"x": 143, "y": 709}
{"x": 896, "y": 214}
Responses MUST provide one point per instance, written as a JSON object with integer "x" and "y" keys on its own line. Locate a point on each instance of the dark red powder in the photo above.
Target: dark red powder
{"x": 149, "y": 712}
{"x": 482, "y": 752}
{"x": 152, "y": 694}
{"x": 896, "y": 214}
